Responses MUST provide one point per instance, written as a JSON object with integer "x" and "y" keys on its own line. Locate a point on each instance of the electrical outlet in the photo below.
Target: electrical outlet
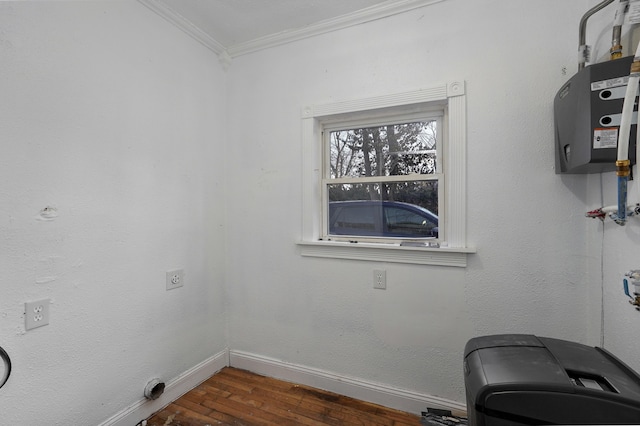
{"x": 175, "y": 279}
{"x": 36, "y": 314}
{"x": 380, "y": 279}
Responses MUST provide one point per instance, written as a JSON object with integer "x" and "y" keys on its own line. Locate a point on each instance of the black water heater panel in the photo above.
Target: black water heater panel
{"x": 587, "y": 115}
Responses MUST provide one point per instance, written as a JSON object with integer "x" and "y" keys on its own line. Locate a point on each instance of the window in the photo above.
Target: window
{"x": 381, "y": 182}
{"x": 384, "y": 178}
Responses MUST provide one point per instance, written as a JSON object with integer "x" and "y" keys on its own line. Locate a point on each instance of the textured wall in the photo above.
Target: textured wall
{"x": 114, "y": 119}
{"x": 527, "y": 223}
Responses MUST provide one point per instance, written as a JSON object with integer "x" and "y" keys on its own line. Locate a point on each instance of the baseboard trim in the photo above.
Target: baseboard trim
{"x": 174, "y": 389}
{"x": 388, "y": 396}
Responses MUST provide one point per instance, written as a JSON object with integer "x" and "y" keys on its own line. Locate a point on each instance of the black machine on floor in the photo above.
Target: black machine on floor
{"x": 518, "y": 379}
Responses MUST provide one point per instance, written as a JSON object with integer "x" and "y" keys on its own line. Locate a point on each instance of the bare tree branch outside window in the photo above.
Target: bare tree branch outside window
{"x": 404, "y": 149}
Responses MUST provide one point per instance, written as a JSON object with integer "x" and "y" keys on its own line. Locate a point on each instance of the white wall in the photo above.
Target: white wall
{"x": 530, "y": 272}
{"x": 119, "y": 122}
{"x": 116, "y": 119}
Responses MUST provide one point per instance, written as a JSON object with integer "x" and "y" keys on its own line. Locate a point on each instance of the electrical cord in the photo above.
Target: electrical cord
{"x": 7, "y": 367}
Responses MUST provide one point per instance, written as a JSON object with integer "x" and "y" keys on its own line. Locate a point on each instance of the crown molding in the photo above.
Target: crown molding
{"x": 382, "y": 10}
{"x": 184, "y": 24}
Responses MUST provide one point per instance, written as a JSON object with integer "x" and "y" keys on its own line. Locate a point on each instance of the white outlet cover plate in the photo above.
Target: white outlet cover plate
{"x": 380, "y": 279}
{"x": 36, "y": 314}
{"x": 175, "y": 279}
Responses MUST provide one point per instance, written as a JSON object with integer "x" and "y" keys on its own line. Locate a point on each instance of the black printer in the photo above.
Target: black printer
{"x": 518, "y": 379}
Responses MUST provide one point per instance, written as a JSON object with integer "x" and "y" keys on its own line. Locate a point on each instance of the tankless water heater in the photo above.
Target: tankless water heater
{"x": 587, "y": 114}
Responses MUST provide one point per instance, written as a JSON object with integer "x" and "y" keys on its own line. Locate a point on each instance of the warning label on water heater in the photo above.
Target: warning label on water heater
{"x": 605, "y": 138}
{"x": 608, "y": 84}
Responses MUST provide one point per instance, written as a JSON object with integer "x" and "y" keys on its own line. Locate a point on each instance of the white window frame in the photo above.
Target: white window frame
{"x": 451, "y": 99}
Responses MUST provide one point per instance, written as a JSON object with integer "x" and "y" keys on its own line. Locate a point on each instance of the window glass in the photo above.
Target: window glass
{"x": 390, "y": 150}
{"x": 422, "y": 193}
{"x": 381, "y": 181}
{"x": 405, "y": 222}
{"x": 359, "y": 219}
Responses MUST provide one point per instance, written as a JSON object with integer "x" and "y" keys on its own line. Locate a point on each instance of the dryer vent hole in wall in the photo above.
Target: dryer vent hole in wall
{"x": 154, "y": 389}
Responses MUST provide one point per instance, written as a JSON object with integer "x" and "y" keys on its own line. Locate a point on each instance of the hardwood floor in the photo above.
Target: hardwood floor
{"x": 238, "y": 397}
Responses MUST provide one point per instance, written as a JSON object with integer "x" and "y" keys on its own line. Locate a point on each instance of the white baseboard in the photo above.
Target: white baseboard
{"x": 388, "y": 396}
{"x": 173, "y": 390}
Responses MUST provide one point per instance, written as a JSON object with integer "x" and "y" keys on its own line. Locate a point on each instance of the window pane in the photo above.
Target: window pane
{"x": 421, "y": 193}
{"x": 357, "y": 218}
{"x": 391, "y": 150}
{"x": 386, "y": 209}
{"x": 402, "y": 221}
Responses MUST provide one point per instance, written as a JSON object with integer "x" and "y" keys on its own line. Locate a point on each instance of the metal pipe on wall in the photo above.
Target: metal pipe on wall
{"x": 616, "y": 37}
{"x": 582, "y": 33}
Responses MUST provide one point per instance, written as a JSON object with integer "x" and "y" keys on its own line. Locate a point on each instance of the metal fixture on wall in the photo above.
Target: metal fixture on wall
{"x": 596, "y": 124}
{"x": 583, "y": 48}
{"x": 616, "y": 37}
{"x": 588, "y": 107}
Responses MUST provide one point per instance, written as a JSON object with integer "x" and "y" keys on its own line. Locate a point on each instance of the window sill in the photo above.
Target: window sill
{"x": 442, "y": 256}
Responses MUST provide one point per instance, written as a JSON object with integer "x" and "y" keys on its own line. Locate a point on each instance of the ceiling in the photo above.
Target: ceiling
{"x": 238, "y": 26}
{"x": 232, "y": 22}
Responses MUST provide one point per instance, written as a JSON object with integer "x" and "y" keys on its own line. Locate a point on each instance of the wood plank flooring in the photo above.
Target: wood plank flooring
{"x": 237, "y": 397}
